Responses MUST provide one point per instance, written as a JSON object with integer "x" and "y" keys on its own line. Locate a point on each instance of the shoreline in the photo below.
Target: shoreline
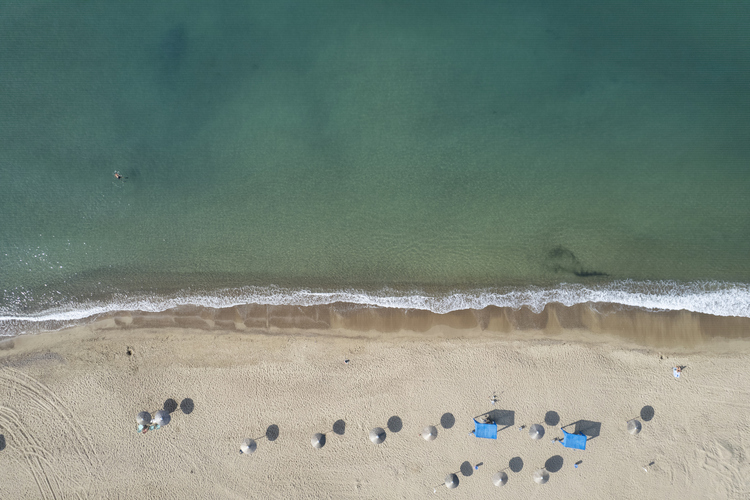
{"x": 582, "y": 322}
{"x": 34, "y": 314}
{"x": 69, "y": 401}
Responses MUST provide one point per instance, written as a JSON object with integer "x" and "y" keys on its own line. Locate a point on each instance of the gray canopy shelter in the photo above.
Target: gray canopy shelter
{"x": 318, "y": 440}
{"x": 634, "y": 426}
{"x": 541, "y": 476}
{"x": 429, "y": 433}
{"x": 377, "y": 435}
{"x": 144, "y": 418}
{"x": 248, "y": 446}
{"x": 536, "y": 431}
{"x": 451, "y": 481}
{"x": 500, "y": 478}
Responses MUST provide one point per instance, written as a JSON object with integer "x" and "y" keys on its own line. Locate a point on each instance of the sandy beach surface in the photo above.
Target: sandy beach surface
{"x": 68, "y": 402}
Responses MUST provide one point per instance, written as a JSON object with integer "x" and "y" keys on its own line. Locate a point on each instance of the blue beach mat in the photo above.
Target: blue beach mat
{"x": 577, "y": 441}
{"x": 488, "y": 431}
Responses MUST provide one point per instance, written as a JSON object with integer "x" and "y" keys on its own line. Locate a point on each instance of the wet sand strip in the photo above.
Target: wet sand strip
{"x": 676, "y": 329}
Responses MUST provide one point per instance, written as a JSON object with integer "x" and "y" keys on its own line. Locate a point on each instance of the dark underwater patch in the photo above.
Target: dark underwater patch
{"x": 172, "y": 48}
{"x": 562, "y": 259}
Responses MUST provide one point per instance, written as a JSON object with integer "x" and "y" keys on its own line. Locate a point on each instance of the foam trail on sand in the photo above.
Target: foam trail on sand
{"x": 715, "y": 298}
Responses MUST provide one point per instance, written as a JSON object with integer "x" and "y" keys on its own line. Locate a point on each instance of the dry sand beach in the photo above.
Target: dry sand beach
{"x": 68, "y": 402}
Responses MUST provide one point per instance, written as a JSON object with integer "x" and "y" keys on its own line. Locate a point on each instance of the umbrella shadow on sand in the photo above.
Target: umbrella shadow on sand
{"x": 319, "y": 439}
{"x": 339, "y": 427}
{"x": 170, "y": 405}
{"x": 272, "y": 433}
{"x": 430, "y": 432}
{"x": 187, "y": 406}
{"x": 554, "y": 464}
{"x": 395, "y": 424}
{"x": 551, "y": 418}
{"x": 250, "y": 445}
{"x": 447, "y": 421}
{"x": 467, "y": 469}
{"x": 647, "y": 413}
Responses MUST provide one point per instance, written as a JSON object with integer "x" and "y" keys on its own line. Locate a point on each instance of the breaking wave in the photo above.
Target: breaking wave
{"x": 708, "y": 297}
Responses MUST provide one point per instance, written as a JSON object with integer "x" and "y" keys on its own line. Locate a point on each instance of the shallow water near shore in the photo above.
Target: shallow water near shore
{"x": 434, "y": 157}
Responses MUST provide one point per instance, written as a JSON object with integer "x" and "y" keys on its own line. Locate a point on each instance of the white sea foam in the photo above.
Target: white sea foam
{"x": 716, "y": 298}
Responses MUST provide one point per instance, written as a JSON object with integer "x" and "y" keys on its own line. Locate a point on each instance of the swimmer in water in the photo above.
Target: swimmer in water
{"x": 118, "y": 175}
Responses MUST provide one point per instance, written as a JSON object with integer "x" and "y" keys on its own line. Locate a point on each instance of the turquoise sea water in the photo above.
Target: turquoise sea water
{"x": 393, "y": 148}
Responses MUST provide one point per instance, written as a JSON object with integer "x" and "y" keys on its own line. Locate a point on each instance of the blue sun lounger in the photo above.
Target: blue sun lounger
{"x": 487, "y": 431}
{"x": 576, "y": 441}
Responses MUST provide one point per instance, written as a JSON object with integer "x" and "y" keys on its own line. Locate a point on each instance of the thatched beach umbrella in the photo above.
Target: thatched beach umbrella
{"x": 500, "y": 478}
{"x": 541, "y": 476}
{"x": 248, "y": 446}
{"x": 429, "y": 433}
{"x": 318, "y": 440}
{"x": 162, "y": 417}
{"x": 634, "y": 426}
{"x": 451, "y": 481}
{"x": 536, "y": 431}
{"x": 144, "y": 418}
{"x": 377, "y": 435}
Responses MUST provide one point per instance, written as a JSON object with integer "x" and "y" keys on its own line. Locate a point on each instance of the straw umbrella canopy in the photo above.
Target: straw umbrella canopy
{"x": 541, "y": 476}
{"x": 634, "y": 426}
{"x": 500, "y": 479}
{"x": 377, "y": 435}
{"x": 536, "y": 431}
{"x": 248, "y": 446}
{"x": 318, "y": 440}
{"x": 144, "y": 418}
{"x": 451, "y": 481}
{"x": 162, "y": 417}
{"x": 429, "y": 433}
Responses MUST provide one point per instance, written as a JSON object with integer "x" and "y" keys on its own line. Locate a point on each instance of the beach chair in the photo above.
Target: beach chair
{"x": 487, "y": 431}
{"x": 575, "y": 441}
